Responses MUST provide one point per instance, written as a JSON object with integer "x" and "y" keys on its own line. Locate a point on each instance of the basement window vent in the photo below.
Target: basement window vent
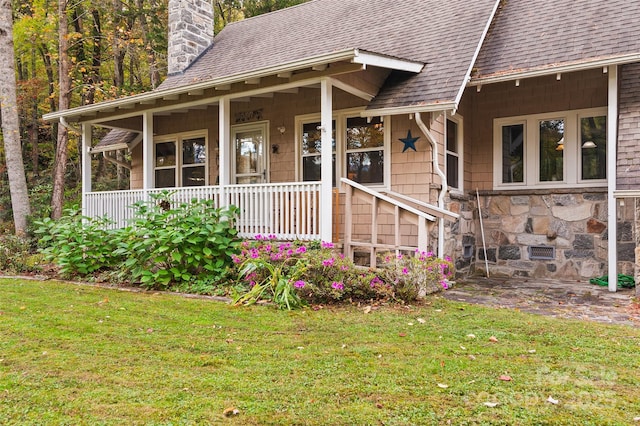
{"x": 467, "y": 252}
{"x": 542, "y": 253}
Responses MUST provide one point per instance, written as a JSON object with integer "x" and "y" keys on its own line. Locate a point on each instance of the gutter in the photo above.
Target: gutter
{"x": 443, "y": 178}
{"x": 560, "y": 69}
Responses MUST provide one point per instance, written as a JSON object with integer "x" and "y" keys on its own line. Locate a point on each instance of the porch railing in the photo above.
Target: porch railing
{"x": 401, "y": 212}
{"x": 287, "y": 210}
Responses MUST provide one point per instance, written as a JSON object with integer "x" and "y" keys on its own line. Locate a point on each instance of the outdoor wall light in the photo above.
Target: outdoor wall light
{"x": 589, "y": 144}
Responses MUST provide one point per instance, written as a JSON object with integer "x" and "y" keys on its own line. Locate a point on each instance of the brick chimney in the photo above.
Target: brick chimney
{"x": 190, "y": 32}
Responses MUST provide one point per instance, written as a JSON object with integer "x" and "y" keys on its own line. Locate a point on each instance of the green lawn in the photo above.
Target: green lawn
{"x": 81, "y": 355}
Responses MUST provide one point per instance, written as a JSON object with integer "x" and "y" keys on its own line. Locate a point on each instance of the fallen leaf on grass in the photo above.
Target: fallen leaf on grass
{"x": 409, "y": 323}
{"x": 636, "y": 419}
{"x": 491, "y": 404}
{"x": 367, "y": 309}
{"x": 463, "y": 348}
{"x": 402, "y": 334}
{"x": 472, "y": 358}
{"x": 378, "y": 405}
{"x": 149, "y": 330}
{"x": 442, "y": 386}
{"x": 421, "y": 320}
{"x": 505, "y": 378}
{"x": 22, "y": 308}
{"x": 493, "y": 339}
{"x": 532, "y": 351}
{"x": 231, "y": 411}
{"x": 552, "y": 401}
{"x": 471, "y": 336}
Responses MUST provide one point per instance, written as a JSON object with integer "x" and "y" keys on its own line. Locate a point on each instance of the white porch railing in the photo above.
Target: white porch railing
{"x": 287, "y": 210}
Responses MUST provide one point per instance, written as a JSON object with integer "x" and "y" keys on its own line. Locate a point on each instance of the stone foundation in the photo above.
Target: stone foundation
{"x": 573, "y": 224}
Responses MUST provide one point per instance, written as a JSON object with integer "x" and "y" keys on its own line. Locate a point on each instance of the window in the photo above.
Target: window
{"x": 593, "y": 143}
{"x": 365, "y": 150}
{"x": 359, "y": 148}
{"x": 312, "y": 151}
{"x": 551, "y": 150}
{"x": 453, "y": 154}
{"x": 186, "y": 169}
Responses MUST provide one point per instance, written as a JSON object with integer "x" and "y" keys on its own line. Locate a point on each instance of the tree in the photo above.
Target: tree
{"x": 64, "y": 77}
{"x": 11, "y": 123}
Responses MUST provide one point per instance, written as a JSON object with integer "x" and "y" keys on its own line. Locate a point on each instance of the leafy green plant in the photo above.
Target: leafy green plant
{"x": 169, "y": 244}
{"x": 16, "y": 254}
{"x": 78, "y": 245}
{"x": 280, "y": 281}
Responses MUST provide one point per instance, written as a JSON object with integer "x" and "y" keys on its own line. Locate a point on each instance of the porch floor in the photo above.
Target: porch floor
{"x": 567, "y": 299}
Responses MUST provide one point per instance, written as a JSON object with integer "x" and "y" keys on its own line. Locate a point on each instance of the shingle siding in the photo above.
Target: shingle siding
{"x": 629, "y": 128}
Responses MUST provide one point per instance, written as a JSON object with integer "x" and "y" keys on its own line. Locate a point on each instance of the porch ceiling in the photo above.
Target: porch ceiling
{"x": 262, "y": 83}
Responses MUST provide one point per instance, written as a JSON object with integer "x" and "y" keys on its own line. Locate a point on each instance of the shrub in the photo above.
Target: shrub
{"x": 414, "y": 276}
{"x": 189, "y": 242}
{"x": 290, "y": 274}
{"x": 78, "y": 245}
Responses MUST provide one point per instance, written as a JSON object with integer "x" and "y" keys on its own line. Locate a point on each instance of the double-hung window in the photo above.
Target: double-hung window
{"x": 551, "y": 150}
{"x": 180, "y": 161}
{"x": 360, "y": 147}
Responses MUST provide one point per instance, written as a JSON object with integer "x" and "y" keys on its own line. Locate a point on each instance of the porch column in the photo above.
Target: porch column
{"x": 86, "y": 166}
{"x": 224, "y": 147}
{"x": 326, "y": 171}
{"x": 612, "y": 143}
{"x": 147, "y": 150}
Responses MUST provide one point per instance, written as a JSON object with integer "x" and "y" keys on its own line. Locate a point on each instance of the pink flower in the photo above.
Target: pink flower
{"x": 337, "y": 285}
{"x": 258, "y": 237}
{"x": 299, "y": 284}
{"x": 444, "y": 284}
{"x": 301, "y": 249}
{"x": 326, "y": 245}
{"x": 405, "y": 271}
{"x": 328, "y": 262}
{"x": 255, "y": 254}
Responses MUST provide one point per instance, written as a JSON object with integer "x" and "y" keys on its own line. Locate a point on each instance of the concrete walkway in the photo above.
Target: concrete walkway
{"x": 579, "y": 300}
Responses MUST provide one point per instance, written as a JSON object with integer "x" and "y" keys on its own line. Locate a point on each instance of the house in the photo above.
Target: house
{"x": 501, "y": 133}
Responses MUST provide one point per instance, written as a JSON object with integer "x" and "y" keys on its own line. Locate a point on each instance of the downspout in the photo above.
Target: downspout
{"x": 443, "y": 178}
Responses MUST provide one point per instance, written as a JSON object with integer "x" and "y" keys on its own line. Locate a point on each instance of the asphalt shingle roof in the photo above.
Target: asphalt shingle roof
{"x": 528, "y": 35}
{"x": 116, "y": 137}
{"x": 442, "y": 34}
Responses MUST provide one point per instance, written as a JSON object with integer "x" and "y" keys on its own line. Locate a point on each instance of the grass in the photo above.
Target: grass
{"x": 82, "y": 355}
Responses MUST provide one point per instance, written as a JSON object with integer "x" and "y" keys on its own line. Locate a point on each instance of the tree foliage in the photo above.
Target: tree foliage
{"x": 115, "y": 48}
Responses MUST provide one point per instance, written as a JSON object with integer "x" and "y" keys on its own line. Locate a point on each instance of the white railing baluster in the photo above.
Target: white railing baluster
{"x": 286, "y": 210}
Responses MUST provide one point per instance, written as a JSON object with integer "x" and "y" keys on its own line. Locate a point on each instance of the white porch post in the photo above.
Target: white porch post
{"x": 147, "y": 151}
{"x": 326, "y": 172}
{"x": 612, "y": 143}
{"x": 86, "y": 166}
{"x": 224, "y": 147}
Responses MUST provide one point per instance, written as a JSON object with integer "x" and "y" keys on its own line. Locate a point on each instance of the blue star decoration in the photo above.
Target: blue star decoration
{"x": 409, "y": 142}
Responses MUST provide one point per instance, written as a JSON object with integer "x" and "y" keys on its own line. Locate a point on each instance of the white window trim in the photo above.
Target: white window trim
{"x": 178, "y": 138}
{"x": 572, "y": 156}
{"x": 340, "y": 118}
{"x": 247, "y": 127}
{"x": 459, "y": 120}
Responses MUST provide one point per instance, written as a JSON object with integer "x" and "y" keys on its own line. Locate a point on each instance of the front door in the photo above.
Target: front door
{"x": 250, "y": 143}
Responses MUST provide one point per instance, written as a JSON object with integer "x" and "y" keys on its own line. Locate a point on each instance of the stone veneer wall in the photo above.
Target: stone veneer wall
{"x": 190, "y": 32}
{"x": 572, "y": 222}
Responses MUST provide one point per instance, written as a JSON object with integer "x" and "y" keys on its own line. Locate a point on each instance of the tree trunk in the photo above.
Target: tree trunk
{"x": 10, "y": 122}
{"x": 118, "y": 50}
{"x": 60, "y": 166}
